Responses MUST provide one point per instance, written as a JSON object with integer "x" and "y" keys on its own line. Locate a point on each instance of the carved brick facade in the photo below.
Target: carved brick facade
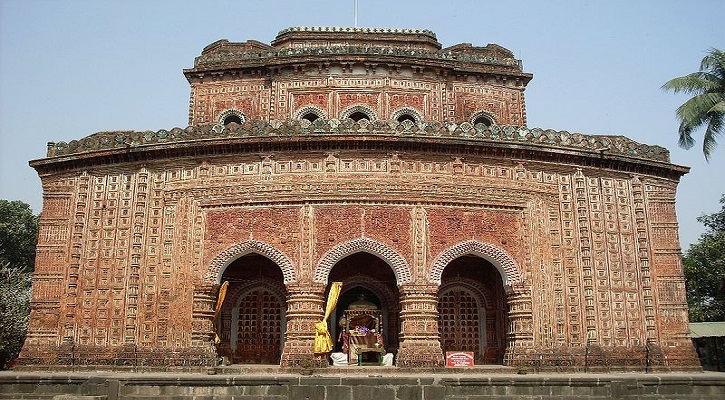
{"x": 375, "y": 158}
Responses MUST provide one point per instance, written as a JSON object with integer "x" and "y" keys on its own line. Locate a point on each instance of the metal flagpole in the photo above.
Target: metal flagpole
{"x": 354, "y": 2}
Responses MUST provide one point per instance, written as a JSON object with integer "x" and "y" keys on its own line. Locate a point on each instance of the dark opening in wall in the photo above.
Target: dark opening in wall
{"x": 358, "y": 116}
{"x": 310, "y": 117}
{"x": 232, "y": 118}
{"x": 483, "y": 120}
{"x": 406, "y": 117}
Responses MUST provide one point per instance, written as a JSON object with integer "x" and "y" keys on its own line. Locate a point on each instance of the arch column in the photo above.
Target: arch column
{"x": 520, "y": 333}
{"x": 420, "y": 344}
{"x": 305, "y": 306}
{"x": 202, "y": 315}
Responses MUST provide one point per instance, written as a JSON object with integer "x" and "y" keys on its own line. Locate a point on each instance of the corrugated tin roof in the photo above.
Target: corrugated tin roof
{"x": 707, "y": 329}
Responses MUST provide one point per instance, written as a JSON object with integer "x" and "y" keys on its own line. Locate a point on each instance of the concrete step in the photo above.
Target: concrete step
{"x": 203, "y": 397}
{"x": 393, "y": 371}
{"x": 34, "y": 396}
{"x": 248, "y": 370}
{"x": 364, "y": 370}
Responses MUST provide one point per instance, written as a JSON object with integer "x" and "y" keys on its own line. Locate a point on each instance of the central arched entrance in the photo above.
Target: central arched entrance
{"x": 252, "y": 323}
{"x": 364, "y": 274}
{"x": 472, "y": 309}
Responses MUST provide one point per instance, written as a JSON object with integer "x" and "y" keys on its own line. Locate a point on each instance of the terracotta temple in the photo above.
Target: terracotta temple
{"x": 372, "y": 157}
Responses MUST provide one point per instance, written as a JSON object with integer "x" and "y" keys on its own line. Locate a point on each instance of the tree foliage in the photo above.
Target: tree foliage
{"x": 18, "y": 238}
{"x": 707, "y": 106}
{"x": 18, "y": 234}
{"x": 704, "y": 264}
{"x": 14, "y": 311}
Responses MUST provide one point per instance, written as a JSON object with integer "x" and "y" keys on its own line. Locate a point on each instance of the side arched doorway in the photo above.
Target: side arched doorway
{"x": 251, "y": 324}
{"x": 472, "y": 309}
{"x": 368, "y": 275}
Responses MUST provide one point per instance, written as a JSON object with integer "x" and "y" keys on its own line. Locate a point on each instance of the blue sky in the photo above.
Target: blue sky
{"x": 72, "y": 68}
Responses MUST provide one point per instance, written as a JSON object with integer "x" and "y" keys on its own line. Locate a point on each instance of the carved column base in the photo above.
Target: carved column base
{"x": 420, "y": 353}
{"x": 304, "y": 308}
{"x": 520, "y": 346}
{"x": 420, "y": 344}
{"x": 202, "y": 330}
{"x": 202, "y": 314}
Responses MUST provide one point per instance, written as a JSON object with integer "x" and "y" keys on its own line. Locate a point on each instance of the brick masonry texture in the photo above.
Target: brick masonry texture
{"x": 564, "y": 245}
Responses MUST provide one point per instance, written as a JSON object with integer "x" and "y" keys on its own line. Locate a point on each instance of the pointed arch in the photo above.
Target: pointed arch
{"x": 221, "y": 261}
{"x": 390, "y": 256}
{"x": 232, "y": 115}
{"x": 407, "y": 112}
{"x": 388, "y": 297}
{"x": 359, "y": 109}
{"x": 507, "y": 267}
{"x": 483, "y": 117}
{"x": 470, "y": 286}
{"x": 272, "y": 286}
{"x": 309, "y": 110}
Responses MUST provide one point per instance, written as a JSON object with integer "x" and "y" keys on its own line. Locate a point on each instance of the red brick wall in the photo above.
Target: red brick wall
{"x": 276, "y": 226}
{"x": 335, "y": 225}
{"x": 449, "y": 226}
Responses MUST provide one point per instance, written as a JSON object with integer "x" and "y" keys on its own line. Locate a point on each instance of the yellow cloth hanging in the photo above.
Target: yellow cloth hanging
{"x": 218, "y": 308}
{"x": 323, "y": 341}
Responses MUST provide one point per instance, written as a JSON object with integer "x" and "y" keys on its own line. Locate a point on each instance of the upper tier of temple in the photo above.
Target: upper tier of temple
{"x": 327, "y": 84}
{"x": 404, "y": 45}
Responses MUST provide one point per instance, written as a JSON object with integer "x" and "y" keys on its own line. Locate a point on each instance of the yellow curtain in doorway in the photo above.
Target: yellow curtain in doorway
{"x": 218, "y": 308}
{"x": 323, "y": 341}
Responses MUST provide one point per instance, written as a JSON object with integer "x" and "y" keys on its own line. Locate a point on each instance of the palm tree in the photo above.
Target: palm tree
{"x": 707, "y": 106}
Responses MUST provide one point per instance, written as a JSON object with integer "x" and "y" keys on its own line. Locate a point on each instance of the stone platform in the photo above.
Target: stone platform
{"x": 355, "y": 383}
{"x": 379, "y": 383}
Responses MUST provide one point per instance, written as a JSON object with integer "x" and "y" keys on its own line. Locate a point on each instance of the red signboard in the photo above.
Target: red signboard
{"x": 459, "y": 358}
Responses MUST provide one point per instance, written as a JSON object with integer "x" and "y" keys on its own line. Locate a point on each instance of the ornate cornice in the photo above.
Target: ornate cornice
{"x": 256, "y": 58}
{"x": 464, "y": 133}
